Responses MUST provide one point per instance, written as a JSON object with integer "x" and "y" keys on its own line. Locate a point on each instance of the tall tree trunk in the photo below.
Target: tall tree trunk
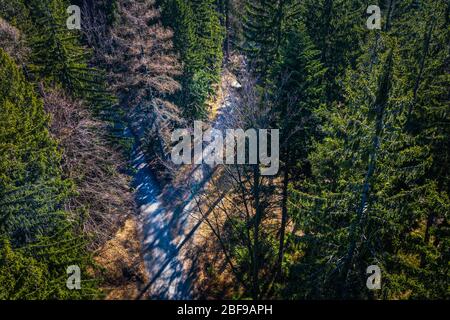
{"x": 227, "y": 30}
{"x": 426, "y": 238}
{"x": 284, "y": 212}
{"x": 426, "y": 48}
{"x": 284, "y": 199}
{"x": 391, "y": 8}
{"x": 279, "y": 26}
{"x": 258, "y": 214}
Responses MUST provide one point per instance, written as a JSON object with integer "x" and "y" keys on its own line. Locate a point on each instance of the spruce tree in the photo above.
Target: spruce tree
{"x": 298, "y": 97}
{"x": 336, "y": 28}
{"x": 262, "y": 23}
{"x": 58, "y": 57}
{"x": 198, "y": 37}
{"x": 37, "y": 233}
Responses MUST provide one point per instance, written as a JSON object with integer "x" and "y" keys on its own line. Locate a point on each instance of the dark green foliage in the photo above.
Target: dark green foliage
{"x": 363, "y": 116}
{"x": 336, "y": 28}
{"x": 57, "y": 56}
{"x": 261, "y": 28}
{"x": 198, "y": 37}
{"x": 364, "y": 137}
{"x": 38, "y": 237}
{"x": 374, "y": 196}
{"x": 29, "y": 160}
{"x": 299, "y": 90}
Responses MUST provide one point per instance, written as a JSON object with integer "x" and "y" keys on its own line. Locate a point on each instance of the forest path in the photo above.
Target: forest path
{"x": 165, "y": 216}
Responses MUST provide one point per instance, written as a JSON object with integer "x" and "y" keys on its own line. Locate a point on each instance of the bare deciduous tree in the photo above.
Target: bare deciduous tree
{"x": 92, "y": 163}
{"x": 143, "y": 71}
{"x": 12, "y": 42}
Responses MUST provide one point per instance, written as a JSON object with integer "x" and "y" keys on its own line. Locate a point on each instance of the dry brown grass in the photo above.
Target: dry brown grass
{"x": 121, "y": 258}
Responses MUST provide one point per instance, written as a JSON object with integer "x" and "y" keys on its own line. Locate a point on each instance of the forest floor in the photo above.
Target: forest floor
{"x": 122, "y": 263}
{"x": 167, "y": 225}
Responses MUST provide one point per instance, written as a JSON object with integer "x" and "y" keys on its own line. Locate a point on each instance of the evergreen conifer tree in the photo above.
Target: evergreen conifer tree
{"x": 39, "y": 238}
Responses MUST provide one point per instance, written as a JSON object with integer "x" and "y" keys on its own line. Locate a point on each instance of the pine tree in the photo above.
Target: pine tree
{"x": 262, "y": 27}
{"x": 336, "y": 28}
{"x": 298, "y": 98}
{"x": 58, "y": 57}
{"x": 343, "y": 168}
{"x": 365, "y": 203}
{"x": 36, "y": 231}
{"x": 198, "y": 37}
{"x": 424, "y": 33}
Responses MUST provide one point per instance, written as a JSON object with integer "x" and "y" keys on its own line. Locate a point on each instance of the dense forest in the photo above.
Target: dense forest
{"x": 87, "y": 115}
